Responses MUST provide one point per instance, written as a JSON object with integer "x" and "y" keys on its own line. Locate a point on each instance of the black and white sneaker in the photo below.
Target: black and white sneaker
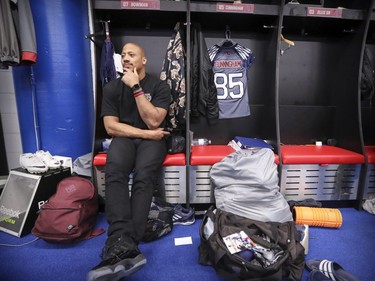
{"x": 120, "y": 259}
{"x": 183, "y": 216}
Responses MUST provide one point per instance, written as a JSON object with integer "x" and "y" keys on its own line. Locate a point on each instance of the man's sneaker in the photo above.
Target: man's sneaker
{"x": 48, "y": 159}
{"x": 32, "y": 163}
{"x": 120, "y": 259}
{"x": 183, "y": 216}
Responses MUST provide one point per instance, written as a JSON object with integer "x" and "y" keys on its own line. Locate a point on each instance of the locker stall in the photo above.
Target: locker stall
{"x": 318, "y": 100}
{"x": 257, "y": 31}
{"x": 152, "y": 29}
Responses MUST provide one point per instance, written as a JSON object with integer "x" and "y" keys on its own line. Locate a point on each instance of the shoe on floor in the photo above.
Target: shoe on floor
{"x": 48, "y": 159}
{"x": 120, "y": 259}
{"x": 183, "y": 216}
{"x": 309, "y": 202}
{"x": 32, "y": 163}
{"x": 317, "y": 275}
{"x": 331, "y": 269}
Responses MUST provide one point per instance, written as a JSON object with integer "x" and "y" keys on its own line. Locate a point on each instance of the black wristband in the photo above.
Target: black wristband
{"x": 136, "y": 88}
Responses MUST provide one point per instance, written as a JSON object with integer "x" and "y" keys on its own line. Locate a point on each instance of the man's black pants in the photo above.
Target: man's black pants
{"x": 128, "y": 215}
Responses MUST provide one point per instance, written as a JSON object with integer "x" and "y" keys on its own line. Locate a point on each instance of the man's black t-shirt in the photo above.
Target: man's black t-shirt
{"x": 118, "y": 100}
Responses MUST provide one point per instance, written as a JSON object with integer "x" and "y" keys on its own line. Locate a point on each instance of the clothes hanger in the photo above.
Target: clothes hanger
{"x": 227, "y": 42}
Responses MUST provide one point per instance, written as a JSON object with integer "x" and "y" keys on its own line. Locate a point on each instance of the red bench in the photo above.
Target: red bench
{"x": 319, "y": 172}
{"x": 325, "y": 154}
{"x": 211, "y": 154}
{"x": 174, "y": 170}
{"x": 178, "y": 159}
{"x": 370, "y": 153}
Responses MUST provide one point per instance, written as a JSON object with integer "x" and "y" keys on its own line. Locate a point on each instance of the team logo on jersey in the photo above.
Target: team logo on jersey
{"x": 148, "y": 96}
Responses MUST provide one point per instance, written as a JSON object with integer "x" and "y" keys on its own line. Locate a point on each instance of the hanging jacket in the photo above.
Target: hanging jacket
{"x": 173, "y": 71}
{"x": 26, "y": 32}
{"x": 203, "y": 95}
{"x": 18, "y": 40}
{"x": 9, "y": 48}
{"x": 203, "y": 89}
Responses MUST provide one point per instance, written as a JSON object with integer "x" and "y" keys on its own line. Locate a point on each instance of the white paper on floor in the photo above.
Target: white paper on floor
{"x": 183, "y": 241}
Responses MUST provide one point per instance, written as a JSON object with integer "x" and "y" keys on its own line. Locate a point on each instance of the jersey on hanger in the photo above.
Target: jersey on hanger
{"x": 230, "y": 66}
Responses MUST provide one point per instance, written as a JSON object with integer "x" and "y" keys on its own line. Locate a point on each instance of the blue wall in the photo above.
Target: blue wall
{"x": 63, "y": 81}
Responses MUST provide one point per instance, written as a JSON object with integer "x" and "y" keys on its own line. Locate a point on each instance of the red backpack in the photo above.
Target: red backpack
{"x": 70, "y": 214}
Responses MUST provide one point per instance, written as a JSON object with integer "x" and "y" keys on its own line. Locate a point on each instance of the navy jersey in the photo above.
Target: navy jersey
{"x": 230, "y": 66}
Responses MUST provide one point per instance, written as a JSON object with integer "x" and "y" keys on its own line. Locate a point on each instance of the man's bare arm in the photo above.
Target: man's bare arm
{"x": 116, "y": 129}
{"x": 151, "y": 115}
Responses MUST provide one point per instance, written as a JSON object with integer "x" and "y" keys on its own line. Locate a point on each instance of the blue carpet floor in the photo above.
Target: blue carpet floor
{"x": 352, "y": 246}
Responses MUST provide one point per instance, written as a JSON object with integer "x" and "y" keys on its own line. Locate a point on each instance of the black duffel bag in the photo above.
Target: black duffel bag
{"x": 244, "y": 249}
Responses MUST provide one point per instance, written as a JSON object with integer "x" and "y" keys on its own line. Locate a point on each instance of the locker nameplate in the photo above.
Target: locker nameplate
{"x": 141, "y": 5}
{"x": 235, "y": 8}
{"x": 324, "y": 12}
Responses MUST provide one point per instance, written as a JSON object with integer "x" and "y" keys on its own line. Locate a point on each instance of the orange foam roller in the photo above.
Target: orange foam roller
{"x": 313, "y": 216}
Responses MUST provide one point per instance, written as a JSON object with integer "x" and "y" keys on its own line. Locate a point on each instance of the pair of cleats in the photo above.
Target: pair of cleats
{"x": 120, "y": 259}
{"x": 325, "y": 270}
{"x": 39, "y": 162}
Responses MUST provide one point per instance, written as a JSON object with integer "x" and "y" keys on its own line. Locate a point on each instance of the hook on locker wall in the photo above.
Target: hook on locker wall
{"x": 106, "y": 28}
{"x": 227, "y": 32}
{"x": 105, "y": 32}
{"x": 288, "y": 42}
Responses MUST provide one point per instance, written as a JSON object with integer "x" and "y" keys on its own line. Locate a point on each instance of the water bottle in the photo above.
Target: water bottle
{"x": 200, "y": 142}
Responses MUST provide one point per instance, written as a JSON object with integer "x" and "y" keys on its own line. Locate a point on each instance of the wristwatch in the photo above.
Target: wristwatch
{"x": 136, "y": 87}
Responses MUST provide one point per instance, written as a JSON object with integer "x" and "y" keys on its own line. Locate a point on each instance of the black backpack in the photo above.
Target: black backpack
{"x": 368, "y": 77}
{"x": 220, "y": 234}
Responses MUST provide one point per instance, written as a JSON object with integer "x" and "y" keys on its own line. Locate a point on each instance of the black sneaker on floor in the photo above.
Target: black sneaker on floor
{"x": 121, "y": 259}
